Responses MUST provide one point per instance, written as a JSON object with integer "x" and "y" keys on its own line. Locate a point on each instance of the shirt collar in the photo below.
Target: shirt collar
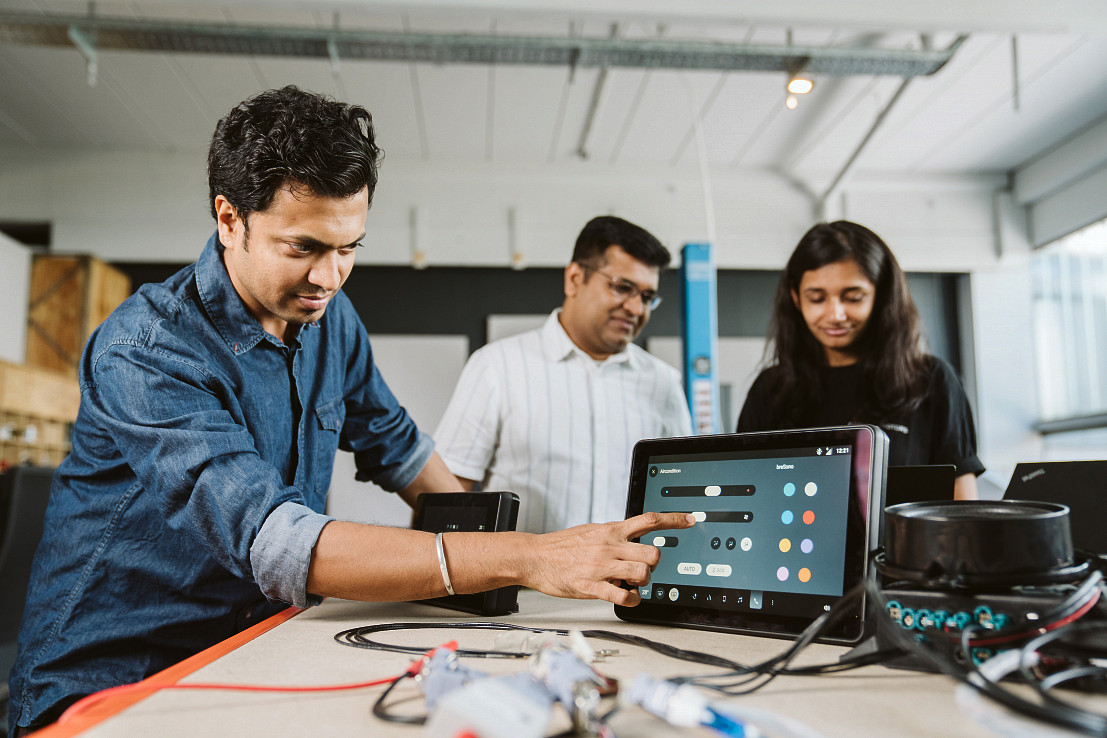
{"x": 227, "y": 311}
{"x": 559, "y": 347}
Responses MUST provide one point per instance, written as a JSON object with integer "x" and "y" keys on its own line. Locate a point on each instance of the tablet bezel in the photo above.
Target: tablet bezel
{"x": 864, "y": 526}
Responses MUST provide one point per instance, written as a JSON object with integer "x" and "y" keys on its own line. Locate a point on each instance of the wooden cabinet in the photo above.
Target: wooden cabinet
{"x": 37, "y": 410}
{"x": 70, "y": 296}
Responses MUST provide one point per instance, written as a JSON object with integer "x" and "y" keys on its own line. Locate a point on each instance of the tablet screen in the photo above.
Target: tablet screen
{"x": 785, "y": 527}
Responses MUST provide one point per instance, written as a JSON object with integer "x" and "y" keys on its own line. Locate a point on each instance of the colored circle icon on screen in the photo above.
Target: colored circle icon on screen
{"x": 807, "y": 545}
{"x": 786, "y": 517}
{"x": 804, "y": 575}
{"x": 782, "y": 573}
{"x": 747, "y": 544}
{"x": 789, "y": 489}
{"x": 810, "y": 489}
{"x": 730, "y": 544}
{"x": 716, "y": 542}
{"x": 673, "y": 594}
{"x": 785, "y": 545}
{"x": 809, "y": 517}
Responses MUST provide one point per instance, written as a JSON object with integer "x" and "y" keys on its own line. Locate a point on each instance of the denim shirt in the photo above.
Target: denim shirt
{"x": 195, "y": 490}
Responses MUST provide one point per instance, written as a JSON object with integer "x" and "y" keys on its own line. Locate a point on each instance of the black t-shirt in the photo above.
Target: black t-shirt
{"x": 939, "y": 431}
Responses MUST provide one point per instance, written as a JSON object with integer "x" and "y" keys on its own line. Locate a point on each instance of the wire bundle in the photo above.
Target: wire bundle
{"x": 739, "y": 679}
{"x": 1060, "y": 623}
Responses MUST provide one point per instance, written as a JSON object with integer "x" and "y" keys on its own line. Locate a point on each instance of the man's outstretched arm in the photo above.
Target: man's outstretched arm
{"x": 365, "y": 562}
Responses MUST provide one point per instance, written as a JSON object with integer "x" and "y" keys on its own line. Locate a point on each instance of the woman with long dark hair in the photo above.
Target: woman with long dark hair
{"x": 846, "y": 347}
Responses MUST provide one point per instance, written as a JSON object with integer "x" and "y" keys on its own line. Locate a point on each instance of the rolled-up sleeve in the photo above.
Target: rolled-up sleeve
{"x": 281, "y": 553}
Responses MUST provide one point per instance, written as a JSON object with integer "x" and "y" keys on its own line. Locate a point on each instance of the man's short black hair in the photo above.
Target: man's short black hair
{"x": 289, "y": 137}
{"x": 607, "y": 230}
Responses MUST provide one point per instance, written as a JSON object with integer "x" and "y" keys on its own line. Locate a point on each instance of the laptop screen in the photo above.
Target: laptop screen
{"x": 1078, "y": 484}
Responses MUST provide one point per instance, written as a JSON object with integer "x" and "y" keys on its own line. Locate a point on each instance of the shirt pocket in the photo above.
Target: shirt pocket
{"x": 329, "y": 417}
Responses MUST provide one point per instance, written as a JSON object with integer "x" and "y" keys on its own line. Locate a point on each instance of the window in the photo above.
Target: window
{"x": 1069, "y": 288}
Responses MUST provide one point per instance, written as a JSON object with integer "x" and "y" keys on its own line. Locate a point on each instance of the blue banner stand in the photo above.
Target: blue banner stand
{"x": 700, "y": 334}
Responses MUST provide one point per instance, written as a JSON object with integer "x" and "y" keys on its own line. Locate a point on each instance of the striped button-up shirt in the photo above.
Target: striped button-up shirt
{"x": 535, "y": 415}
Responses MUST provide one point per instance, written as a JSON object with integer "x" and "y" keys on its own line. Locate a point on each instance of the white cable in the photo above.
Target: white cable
{"x": 991, "y": 714}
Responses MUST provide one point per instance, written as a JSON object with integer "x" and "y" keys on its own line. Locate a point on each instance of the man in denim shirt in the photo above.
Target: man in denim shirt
{"x": 212, "y": 405}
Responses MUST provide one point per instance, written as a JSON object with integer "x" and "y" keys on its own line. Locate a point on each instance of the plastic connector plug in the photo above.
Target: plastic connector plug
{"x": 442, "y": 674}
{"x": 514, "y": 706}
{"x": 683, "y": 705}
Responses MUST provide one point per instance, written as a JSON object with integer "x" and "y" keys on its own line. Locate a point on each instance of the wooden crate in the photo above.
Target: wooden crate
{"x": 37, "y": 410}
{"x": 70, "y": 296}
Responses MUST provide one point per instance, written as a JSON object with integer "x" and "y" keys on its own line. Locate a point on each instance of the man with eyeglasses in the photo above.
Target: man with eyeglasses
{"x": 553, "y": 414}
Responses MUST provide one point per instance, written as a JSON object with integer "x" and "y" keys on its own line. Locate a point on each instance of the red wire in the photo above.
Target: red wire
{"x": 1039, "y": 631}
{"x": 88, "y": 702}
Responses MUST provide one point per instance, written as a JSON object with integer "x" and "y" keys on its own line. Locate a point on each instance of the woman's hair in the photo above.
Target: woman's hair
{"x": 894, "y": 368}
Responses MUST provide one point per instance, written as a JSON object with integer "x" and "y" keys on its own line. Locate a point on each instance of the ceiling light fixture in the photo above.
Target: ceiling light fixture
{"x": 800, "y": 83}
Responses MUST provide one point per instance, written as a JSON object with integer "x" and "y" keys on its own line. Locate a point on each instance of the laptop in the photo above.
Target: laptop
{"x": 919, "y": 483}
{"x": 1082, "y": 485}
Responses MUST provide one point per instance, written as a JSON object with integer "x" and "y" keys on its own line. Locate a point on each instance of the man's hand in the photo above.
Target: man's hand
{"x": 590, "y": 561}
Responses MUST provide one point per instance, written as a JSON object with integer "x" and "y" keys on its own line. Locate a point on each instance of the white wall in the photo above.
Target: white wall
{"x": 139, "y": 206}
{"x": 15, "y": 288}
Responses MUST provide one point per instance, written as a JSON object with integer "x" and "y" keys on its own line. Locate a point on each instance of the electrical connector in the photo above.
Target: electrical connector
{"x": 683, "y": 705}
{"x": 514, "y": 706}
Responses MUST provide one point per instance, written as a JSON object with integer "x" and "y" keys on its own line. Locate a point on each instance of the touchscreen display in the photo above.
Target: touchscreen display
{"x": 786, "y": 521}
{"x": 771, "y": 534}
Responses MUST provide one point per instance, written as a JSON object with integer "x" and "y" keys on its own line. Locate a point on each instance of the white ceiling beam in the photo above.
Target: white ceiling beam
{"x": 1062, "y": 165}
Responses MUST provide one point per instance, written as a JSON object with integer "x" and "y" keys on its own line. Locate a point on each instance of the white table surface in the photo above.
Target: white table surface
{"x": 873, "y": 701}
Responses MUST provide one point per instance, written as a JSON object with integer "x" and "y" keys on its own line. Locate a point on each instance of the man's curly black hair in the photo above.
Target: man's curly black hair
{"x": 291, "y": 138}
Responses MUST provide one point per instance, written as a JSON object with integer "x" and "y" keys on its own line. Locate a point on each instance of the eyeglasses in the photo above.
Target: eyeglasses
{"x": 625, "y": 290}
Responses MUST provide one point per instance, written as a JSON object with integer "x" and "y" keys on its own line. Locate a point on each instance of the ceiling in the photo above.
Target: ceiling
{"x": 970, "y": 117}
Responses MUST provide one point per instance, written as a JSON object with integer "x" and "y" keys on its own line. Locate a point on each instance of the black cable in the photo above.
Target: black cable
{"x": 757, "y": 675}
{"x": 1088, "y": 591}
{"x": 753, "y": 678}
{"x": 1074, "y": 718}
{"x": 380, "y": 712}
{"x": 358, "y": 637}
{"x": 868, "y": 659}
{"x": 766, "y": 670}
{"x": 1045, "y": 685}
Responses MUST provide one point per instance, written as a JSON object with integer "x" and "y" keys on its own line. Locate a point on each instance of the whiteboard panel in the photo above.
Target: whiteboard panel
{"x": 421, "y": 371}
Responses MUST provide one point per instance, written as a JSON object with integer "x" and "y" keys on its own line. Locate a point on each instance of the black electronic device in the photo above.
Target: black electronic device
{"x": 1078, "y": 484}
{"x": 470, "y": 512}
{"x": 919, "y": 483}
{"x": 787, "y": 522}
{"x": 969, "y": 579}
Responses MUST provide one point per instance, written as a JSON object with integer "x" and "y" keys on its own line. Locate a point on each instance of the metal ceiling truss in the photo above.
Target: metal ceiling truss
{"x": 107, "y": 33}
